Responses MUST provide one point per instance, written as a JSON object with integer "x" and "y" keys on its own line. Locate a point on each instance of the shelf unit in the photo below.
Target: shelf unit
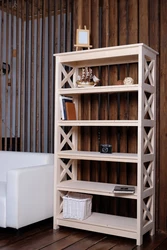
{"x": 65, "y": 174}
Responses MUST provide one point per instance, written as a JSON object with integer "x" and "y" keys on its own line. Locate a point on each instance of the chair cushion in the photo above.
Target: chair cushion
{"x": 2, "y": 204}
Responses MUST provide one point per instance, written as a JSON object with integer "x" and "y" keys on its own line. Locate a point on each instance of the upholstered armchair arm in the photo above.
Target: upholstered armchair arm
{"x": 29, "y": 195}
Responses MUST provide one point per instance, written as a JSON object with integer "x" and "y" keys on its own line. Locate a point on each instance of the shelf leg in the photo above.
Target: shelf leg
{"x": 55, "y": 226}
{"x": 139, "y": 241}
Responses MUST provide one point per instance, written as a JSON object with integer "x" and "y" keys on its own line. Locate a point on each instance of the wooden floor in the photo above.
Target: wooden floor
{"x": 42, "y": 236}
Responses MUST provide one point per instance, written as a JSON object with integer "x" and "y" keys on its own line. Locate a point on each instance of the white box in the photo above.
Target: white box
{"x": 77, "y": 206}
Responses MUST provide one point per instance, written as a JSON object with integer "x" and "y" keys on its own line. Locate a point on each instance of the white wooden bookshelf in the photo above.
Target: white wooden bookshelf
{"x": 65, "y": 173}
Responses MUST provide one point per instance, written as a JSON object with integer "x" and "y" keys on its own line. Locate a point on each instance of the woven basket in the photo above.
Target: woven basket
{"x": 77, "y": 206}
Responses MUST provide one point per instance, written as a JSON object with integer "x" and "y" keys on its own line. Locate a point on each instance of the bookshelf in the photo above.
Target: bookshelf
{"x": 67, "y": 159}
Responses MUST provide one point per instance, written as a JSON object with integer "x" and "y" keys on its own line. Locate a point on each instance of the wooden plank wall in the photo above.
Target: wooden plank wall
{"x": 124, "y": 22}
{"x": 31, "y": 31}
{"x": 111, "y": 22}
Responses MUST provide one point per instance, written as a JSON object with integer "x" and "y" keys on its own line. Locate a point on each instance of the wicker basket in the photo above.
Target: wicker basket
{"x": 77, "y": 206}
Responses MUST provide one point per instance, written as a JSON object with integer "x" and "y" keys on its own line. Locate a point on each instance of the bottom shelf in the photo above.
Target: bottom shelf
{"x": 103, "y": 223}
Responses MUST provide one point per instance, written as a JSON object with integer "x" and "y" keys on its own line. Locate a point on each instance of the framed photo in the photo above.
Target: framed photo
{"x": 83, "y": 37}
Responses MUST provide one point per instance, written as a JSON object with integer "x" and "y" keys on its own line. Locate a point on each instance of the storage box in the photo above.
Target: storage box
{"x": 77, "y": 206}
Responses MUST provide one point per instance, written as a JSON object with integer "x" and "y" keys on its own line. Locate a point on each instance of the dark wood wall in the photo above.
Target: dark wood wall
{"x": 111, "y": 22}
{"x": 124, "y": 22}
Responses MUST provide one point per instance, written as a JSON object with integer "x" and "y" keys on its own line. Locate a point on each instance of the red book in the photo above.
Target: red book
{"x": 70, "y": 111}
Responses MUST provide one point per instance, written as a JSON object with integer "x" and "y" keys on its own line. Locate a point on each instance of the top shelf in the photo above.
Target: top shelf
{"x": 106, "y": 56}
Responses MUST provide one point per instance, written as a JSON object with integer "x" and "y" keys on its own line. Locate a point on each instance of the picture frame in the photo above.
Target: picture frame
{"x": 83, "y": 38}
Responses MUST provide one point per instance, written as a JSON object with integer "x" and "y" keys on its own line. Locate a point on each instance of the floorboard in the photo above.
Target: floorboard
{"x": 162, "y": 246}
{"x": 42, "y": 236}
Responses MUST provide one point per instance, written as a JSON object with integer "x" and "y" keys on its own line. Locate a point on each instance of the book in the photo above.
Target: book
{"x": 63, "y": 100}
{"x": 70, "y": 111}
{"x": 124, "y": 190}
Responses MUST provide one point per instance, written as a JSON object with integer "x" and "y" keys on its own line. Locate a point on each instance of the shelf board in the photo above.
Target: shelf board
{"x": 90, "y": 187}
{"x": 97, "y": 156}
{"x": 99, "y": 89}
{"x": 119, "y": 123}
{"x": 104, "y": 223}
{"x": 105, "y": 123}
{"x": 104, "y": 56}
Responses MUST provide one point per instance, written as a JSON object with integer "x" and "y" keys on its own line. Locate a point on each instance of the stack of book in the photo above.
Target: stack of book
{"x": 67, "y": 106}
{"x": 124, "y": 190}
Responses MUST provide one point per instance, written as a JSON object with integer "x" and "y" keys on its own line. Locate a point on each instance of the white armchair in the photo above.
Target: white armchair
{"x": 26, "y": 188}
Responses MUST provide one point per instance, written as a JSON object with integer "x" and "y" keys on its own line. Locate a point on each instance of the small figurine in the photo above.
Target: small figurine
{"x": 128, "y": 80}
{"x": 87, "y": 78}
